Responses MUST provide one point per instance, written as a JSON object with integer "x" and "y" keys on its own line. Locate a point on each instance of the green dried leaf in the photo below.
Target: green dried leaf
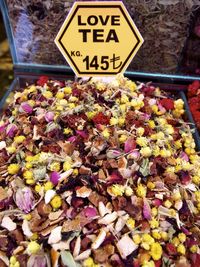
{"x": 144, "y": 168}
{"x": 51, "y": 126}
{"x": 39, "y": 172}
{"x": 67, "y": 259}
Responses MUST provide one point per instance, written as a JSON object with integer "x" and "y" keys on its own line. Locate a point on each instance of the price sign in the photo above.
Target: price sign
{"x": 98, "y": 38}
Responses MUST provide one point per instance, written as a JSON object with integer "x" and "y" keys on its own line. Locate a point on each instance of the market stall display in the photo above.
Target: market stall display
{"x": 98, "y": 173}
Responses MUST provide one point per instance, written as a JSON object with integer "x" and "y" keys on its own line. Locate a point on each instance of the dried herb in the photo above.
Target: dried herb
{"x": 120, "y": 185}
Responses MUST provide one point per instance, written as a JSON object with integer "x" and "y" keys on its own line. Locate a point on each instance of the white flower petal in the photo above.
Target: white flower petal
{"x": 55, "y": 235}
{"x": 26, "y": 228}
{"x": 2, "y": 145}
{"x": 126, "y": 246}
{"x": 49, "y": 195}
{"x": 8, "y": 223}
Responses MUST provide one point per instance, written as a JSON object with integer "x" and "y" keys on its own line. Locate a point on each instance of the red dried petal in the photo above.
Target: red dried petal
{"x": 100, "y": 118}
{"x": 171, "y": 249}
{"x": 115, "y": 177}
{"x": 167, "y": 103}
{"x": 148, "y": 90}
{"x": 42, "y": 80}
{"x": 158, "y": 263}
{"x": 185, "y": 178}
{"x": 195, "y": 258}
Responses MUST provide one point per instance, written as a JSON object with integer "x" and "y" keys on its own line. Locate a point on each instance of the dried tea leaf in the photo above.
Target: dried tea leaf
{"x": 144, "y": 168}
{"x": 67, "y": 259}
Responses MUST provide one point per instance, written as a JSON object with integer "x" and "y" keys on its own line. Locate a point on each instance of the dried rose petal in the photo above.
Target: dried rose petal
{"x": 90, "y": 212}
{"x": 157, "y": 202}
{"x": 37, "y": 261}
{"x": 171, "y": 249}
{"x": 113, "y": 153}
{"x": 25, "y": 107}
{"x": 184, "y": 156}
{"x": 24, "y": 199}
{"x": 161, "y": 108}
{"x": 134, "y": 155}
{"x": 54, "y": 177}
{"x": 185, "y": 178}
{"x": 115, "y": 177}
{"x": 2, "y": 127}
{"x": 49, "y": 116}
{"x": 167, "y": 103}
{"x": 130, "y": 145}
{"x": 42, "y": 80}
{"x": 83, "y": 134}
{"x": 72, "y": 139}
{"x": 146, "y": 210}
{"x": 11, "y": 130}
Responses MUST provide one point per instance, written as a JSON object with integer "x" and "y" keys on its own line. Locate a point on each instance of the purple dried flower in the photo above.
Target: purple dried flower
{"x": 11, "y": 130}
{"x": 72, "y": 139}
{"x": 2, "y": 127}
{"x": 146, "y": 210}
{"x": 90, "y": 212}
{"x": 54, "y": 177}
{"x": 83, "y": 134}
{"x": 49, "y": 116}
{"x": 184, "y": 156}
{"x": 134, "y": 155}
{"x": 37, "y": 261}
{"x": 24, "y": 199}
{"x": 25, "y": 107}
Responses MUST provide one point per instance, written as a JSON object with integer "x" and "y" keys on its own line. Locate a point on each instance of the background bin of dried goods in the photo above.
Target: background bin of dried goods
{"x": 190, "y": 62}
{"x": 163, "y": 23}
{"x": 5, "y": 61}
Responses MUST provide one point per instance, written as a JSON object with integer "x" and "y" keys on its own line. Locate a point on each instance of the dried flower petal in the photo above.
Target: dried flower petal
{"x": 54, "y": 177}
{"x": 25, "y": 107}
{"x": 11, "y": 130}
{"x": 55, "y": 235}
{"x": 126, "y": 246}
{"x": 49, "y": 116}
{"x": 24, "y": 199}
{"x": 8, "y": 223}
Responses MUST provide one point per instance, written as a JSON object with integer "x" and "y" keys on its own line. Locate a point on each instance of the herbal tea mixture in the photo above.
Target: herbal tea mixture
{"x": 98, "y": 173}
{"x": 163, "y": 23}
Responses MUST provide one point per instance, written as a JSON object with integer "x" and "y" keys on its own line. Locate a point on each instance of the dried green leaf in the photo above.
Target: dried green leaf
{"x": 67, "y": 259}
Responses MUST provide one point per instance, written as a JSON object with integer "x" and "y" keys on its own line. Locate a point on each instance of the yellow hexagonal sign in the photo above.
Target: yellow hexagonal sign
{"x": 98, "y": 38}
